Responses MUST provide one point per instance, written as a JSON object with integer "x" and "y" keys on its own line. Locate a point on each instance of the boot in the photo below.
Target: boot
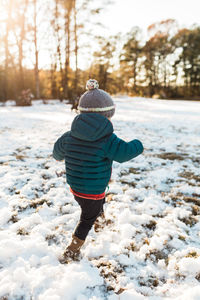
{"x": 72, "y": 252}
{"x": 100, "y": 222}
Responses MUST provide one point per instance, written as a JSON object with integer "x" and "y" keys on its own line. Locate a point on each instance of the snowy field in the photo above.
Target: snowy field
{"x": 150, "y": 248}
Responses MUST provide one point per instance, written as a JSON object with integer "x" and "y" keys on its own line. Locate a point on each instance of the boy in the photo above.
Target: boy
{"x": 89, "y": 149}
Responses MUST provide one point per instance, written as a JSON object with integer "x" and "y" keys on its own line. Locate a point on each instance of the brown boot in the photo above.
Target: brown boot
{"x": 100, "y": 222}
{"x": 72, "y": 252}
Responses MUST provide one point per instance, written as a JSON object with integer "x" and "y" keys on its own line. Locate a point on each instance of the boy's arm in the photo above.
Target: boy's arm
{"x": 121, "y": 151}
{"x": 59, "y": 148}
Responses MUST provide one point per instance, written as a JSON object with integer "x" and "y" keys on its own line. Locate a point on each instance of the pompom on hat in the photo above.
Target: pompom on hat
{"x": 96, "y": 100}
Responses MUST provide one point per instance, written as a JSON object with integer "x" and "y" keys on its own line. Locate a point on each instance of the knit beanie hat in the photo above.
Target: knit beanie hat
{"x": 96, "y": 100}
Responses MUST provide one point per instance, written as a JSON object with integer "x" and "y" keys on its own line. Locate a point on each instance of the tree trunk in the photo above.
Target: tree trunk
{"x": 54, "y": 93}
{"x": 5, "y": 92}
{"x": 22, "y": 36}
{"x": 76, "y": 49}
{"x": 61, "y": 85}
{"x": 37, "y": 83}
{"x": 135, "y": 73}
{"x": 67, "y": 49}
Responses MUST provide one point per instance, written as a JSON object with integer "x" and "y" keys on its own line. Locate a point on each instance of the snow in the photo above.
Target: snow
{"x": 150, "y": 248}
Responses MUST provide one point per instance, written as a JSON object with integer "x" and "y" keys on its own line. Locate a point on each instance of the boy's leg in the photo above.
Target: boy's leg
{"x": 103, "y": 202}
{"x": 100, "y": 222}
{"x": 90, "y": 210}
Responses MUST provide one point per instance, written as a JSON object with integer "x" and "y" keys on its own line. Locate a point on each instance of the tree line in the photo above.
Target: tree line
{"x": 166, "y": 63}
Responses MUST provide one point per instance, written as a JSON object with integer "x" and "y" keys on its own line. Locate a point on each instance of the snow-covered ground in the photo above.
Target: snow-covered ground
{"x": 150, "y": 248}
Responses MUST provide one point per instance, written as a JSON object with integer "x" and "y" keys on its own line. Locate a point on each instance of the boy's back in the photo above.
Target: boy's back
{"x": 89, "y": 149}
{"x": 88, "y": 170}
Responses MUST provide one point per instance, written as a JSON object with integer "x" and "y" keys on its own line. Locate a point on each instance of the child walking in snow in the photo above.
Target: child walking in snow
{"x": 89, "y": 149}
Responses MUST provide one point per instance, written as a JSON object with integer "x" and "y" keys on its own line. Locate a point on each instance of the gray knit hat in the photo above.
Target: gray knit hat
{"x": 96, "y": 100}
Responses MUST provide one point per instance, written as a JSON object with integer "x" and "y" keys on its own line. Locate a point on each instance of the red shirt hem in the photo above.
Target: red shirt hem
{"x": 88, "y": 196}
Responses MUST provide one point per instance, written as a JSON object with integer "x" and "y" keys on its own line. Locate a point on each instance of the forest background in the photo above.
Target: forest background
{"x": 63, "y": 33}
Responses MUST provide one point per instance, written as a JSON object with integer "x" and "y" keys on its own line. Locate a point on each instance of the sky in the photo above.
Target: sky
{"x": 124, "y": 14}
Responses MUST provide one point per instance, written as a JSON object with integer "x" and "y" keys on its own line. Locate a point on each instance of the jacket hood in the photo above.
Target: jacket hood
{"x": 91, "y": 127}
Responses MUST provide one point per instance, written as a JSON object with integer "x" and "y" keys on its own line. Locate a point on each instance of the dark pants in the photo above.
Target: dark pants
{"x": 90, "y": 210}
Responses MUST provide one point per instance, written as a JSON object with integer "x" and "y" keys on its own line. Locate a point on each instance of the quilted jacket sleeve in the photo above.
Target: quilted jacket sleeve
{"x": 59, "y": 148}
{"x": 121, "y": 151}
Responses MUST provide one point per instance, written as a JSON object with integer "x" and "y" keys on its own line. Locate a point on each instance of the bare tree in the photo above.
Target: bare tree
{"x": 21, "y": 20}
{"x": 57, "y": 57}
{"x": 76, "y": 47}
{"x": 68, "y": 5}
{"x": 6, "y": 43}
{"x": 130, "y": 55}
{"x": 37, "y": 82}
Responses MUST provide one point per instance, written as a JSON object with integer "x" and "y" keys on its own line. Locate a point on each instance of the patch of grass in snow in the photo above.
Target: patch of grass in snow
{"x": 155, "y": 255}
{"x": 172, "y": 156}
{"x": 198, "y": 277}
{"x": 192, "y": 254}
{"x": 151, "y": 225}
{"x": 14, "y": 218}
{"x": 45, "y": 166}
{"x": 132, "y": 247}
{"x": 4, "y": 298}
{"x": 110, "y": 272}
{"x": 130, "y": 171}
{"x": 180, "y": 198}
{"x": 22, "y": 231}
{"x": 193, "y": 199}
{"x": 23, "y": 149}
{"x": 130, "y": 183}
{"x": 51, "y": 239}
{"x": 181, "y": 237}
{"x": 39, "y": 202}
{"x": 4, "y": 163}
{"x": 151, "y": 281}
{"x": 189, "y": 221}
{"x": 195, "y": 160}
{"x": 20, "y": 157}
{"x": 35, "y": 204}
{"x": 178, "y": 275}
{"x": 189, "y": 175}
{"x": 46, "y": 176}
{"x": 195, "y": 210}
{"x": 60, "y": 174}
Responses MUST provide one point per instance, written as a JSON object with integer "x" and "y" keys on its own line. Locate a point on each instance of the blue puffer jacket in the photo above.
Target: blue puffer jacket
{"x": 89, "y": 150}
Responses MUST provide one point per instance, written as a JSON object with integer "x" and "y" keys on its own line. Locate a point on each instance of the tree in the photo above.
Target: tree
{"x": 35, "y": 29}
{"x": 68, "y": 5}
{"x": 103, "y": 60}
{"x": 57, "y": 80}
{"x": 76, "y": 46}
{"x": 9, "y": 9}
{"x": 20, "y": 34}
{"x": 188, "y": 43}
{"x": 130, "y": 55}
{"x": 156, "y": 51}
